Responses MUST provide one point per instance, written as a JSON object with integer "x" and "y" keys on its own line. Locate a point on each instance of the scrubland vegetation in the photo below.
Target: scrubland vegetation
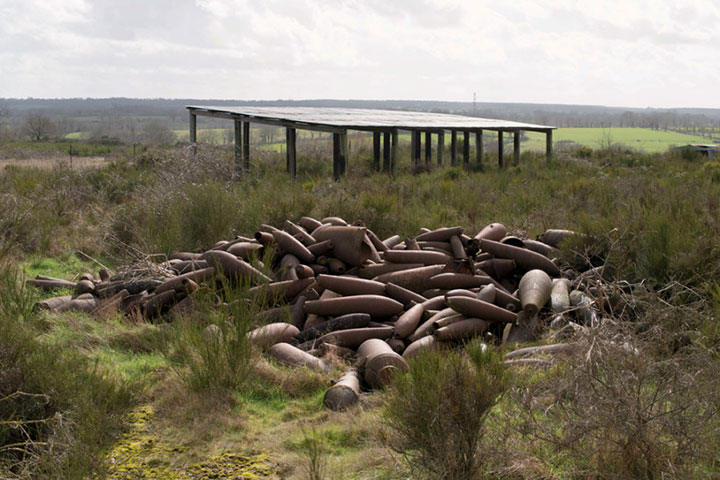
{"x": 117, "y": 397}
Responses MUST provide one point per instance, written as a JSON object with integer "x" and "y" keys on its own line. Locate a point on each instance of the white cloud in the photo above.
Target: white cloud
{"x": 614, "y": 52}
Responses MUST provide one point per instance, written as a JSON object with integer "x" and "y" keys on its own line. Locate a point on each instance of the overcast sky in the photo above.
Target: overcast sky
{"x": 636, "y": 53}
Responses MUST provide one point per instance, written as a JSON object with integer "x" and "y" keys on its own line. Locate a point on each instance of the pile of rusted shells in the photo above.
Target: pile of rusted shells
{"x": 338, "y": 289}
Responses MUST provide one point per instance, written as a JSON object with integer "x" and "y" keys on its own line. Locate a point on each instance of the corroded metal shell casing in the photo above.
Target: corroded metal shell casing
{"x": 355, "y": 337}
{"x": 425, "y": 257}
{"x": 526, "y": 259}
{"x": 471, "y": 307}
{"x": 375, "y": 305}
{"x": 467, "y": 328}
{"x": 233, "y": 268}
{"x": 351, "y": 285}
{"x": 408, "y": 321}
{"x": 344, "y": 322}
{"x": 534, "y": 291}
{"x": 440, "y": 234}
{"x": 294, "y": 357}
{"x": 272, "y": 333}
{"x": 403, "y": 295}
{"x": 560, "y": 295}
{"x": 344, "y": 393}
{"x": 414, "y": 279}
{"x": 380, "y": 362}
{"x": 245, "y": 250}
{"x": 494, "y": 231}
{"x": 350, "y": 244}
{"x": 459, "y": 280}
{"x": 425, "y": 343}
{"x": 292, "y": 245}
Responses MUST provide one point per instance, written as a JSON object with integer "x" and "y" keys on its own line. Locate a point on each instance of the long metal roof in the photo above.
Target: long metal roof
{"x": 361, "y": 119}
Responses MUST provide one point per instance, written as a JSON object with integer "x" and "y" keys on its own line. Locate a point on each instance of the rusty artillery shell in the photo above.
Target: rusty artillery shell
{"x": 305, "y": 238}
{"x": 288, "y": 267}
{"x": 534, "y": 291}
{"x": 409, "y": 243}
{"x": 408, "y": 321}
{"x": 112, "y": 303}
{"x": 374, "y": 305}
{"x": 425, "y": 343}
{"x": 245, "y": 250}
{"x": 344, "y": 322}
{"x": 414, "y": 279}
{"x": 467, "y": 328}
{"x": 312, "y": 320}
{"x": 472, "y": 307}
{"x": 513, "y": 240}
{"x": 52, "y": 304}
{"x": 417, "y": 256}
{"x": 335, "y": 221}
{"x": 350, "y": 244}
{"x": 219, "y": 245}
{"x": 292, "y": 245}
{"x": 443, "y": 246}
{"x": 560, "y": 296}
{"x": 351, "y": 285}
{"x": 449, "y": 320}
{"x": 309, "y": 223}
{"x": 377, "y": 243}
{"x": 462, "y": 292}
{"x": 297, "y": 313}
{"x": 458, "y": 280}
{"x": 291, "y": 356}
{"x": 403, "y": 295}
{"x": 272, "y": 333}
{"x": 424, "y": 329}
{"x": 274, "y": 315}
{"x": 303, "y": 271}
{"x": 321, "y": 248}
{"x": 494, "y": 231}
{"x": 264, "y": 227}
{"x": 440, "y": 234}
{"x": 328, "y": 294}
{"x": 344, "y": 393}
{"x": 541, "y": 248}
{"x": 458, "y": 249}
{"x": 354, "y": 337}
{"x": 233, "y": 268}
{"x": 434, "y": 303}
{"x": 498, "y": 268}
{"x": 285, "y": 290}
{"x": 554, "y": 237}
{"x": 487, "y": 293}
{"x": 390, "y": 242}
{"x": 198, "y": 276}
{"x": 526, "y": 259}
{"x": 85, "y": 276}
{"x": 290, "y": 227}
{"x": 156, "y": 304}
{"x": 49, "y": 283}
{"x": 86, "y": 303}
{"x": 377, "y": 269}
{"x": 84, "y": 286}
{"x": 104, "y": 274}
{"x": 336, "y": 266}
{"x": 380, "y": 362}
{"x": 265, "y": 238}
{"x": 506, "y": 300}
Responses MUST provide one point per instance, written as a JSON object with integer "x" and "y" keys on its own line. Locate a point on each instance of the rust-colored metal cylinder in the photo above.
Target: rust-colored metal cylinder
{"x": 321, "y": 248}
{"x": 498, "y": 268}
{"x": 272, "y": 333}
{"x": 291, "y": 356}
{"x": 303, "y": 271}
{"x": 292, "y": 245}
{"x": 336, "y": 266}
{"x": 233, "y": 268}
{"x": 344, "y": 393}
{"x": 288, "y": 267}
{"x": 445, "y": 321}
{"x": 84, "y": 286}
{"x": 408, "y": 321}
{"x": 390, "y": 242}
{"x": 377, "y": 243}
{"x": 534, "y": 291}
{"x": 49, "y": 284}
{"x": 403, "y": 295}
{"x": 309, "y": 223}
{"x": 471, "y": 307}
{"x": 375, "y": 305}
{"x": 458, "y": 249}
{"x": 560, "y": 296}
{"x": 440, "y": 234}
{"x": 185, "y": 256}
{"x": 425, "y": 343}
{"x": 377, "y": 269}
{"x": 344, "y": 322}
{"x": 335, "y": 221}
{"x": 52, "y": 304}
{"x": 467, "y": 328}
{"x": 396, "y": 344}
{"x": 197, "y": 276}
{"x": 414, "y": 279}
{"x": 487, "y": 293}
{"x": 285, "y": 290}
{"x": 554, "y": 237}
{"x": 351, "y": 285}
{"x": 354, "y": 337}
{"x": 526, "y": 259}
{"x": 443, "y": 246}
{"x": 494, "y": 231}
{"x": 350, "y": 244}
{"x": 434, "y": 303}
{"x": 458, "y": 280}
{"x": 541, "y": 248}
{"x": 159, "y": 302}
{"x": 245, "y": 250}
{"x": 379, "y": 362}
{"x": 417, "y": 256}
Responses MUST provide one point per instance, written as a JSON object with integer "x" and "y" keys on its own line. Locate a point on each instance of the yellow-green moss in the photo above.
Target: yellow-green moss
{"x": 141, "y": 453}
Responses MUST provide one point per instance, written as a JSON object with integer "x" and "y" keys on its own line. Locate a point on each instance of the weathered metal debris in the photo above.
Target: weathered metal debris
{"x": 337, "y": 289}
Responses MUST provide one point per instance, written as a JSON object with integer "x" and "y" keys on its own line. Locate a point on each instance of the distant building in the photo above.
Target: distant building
{"x": 710, "y": 151}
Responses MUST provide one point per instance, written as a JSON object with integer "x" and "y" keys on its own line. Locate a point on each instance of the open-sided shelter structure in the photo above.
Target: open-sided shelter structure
{"x": 384, "y": 125}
